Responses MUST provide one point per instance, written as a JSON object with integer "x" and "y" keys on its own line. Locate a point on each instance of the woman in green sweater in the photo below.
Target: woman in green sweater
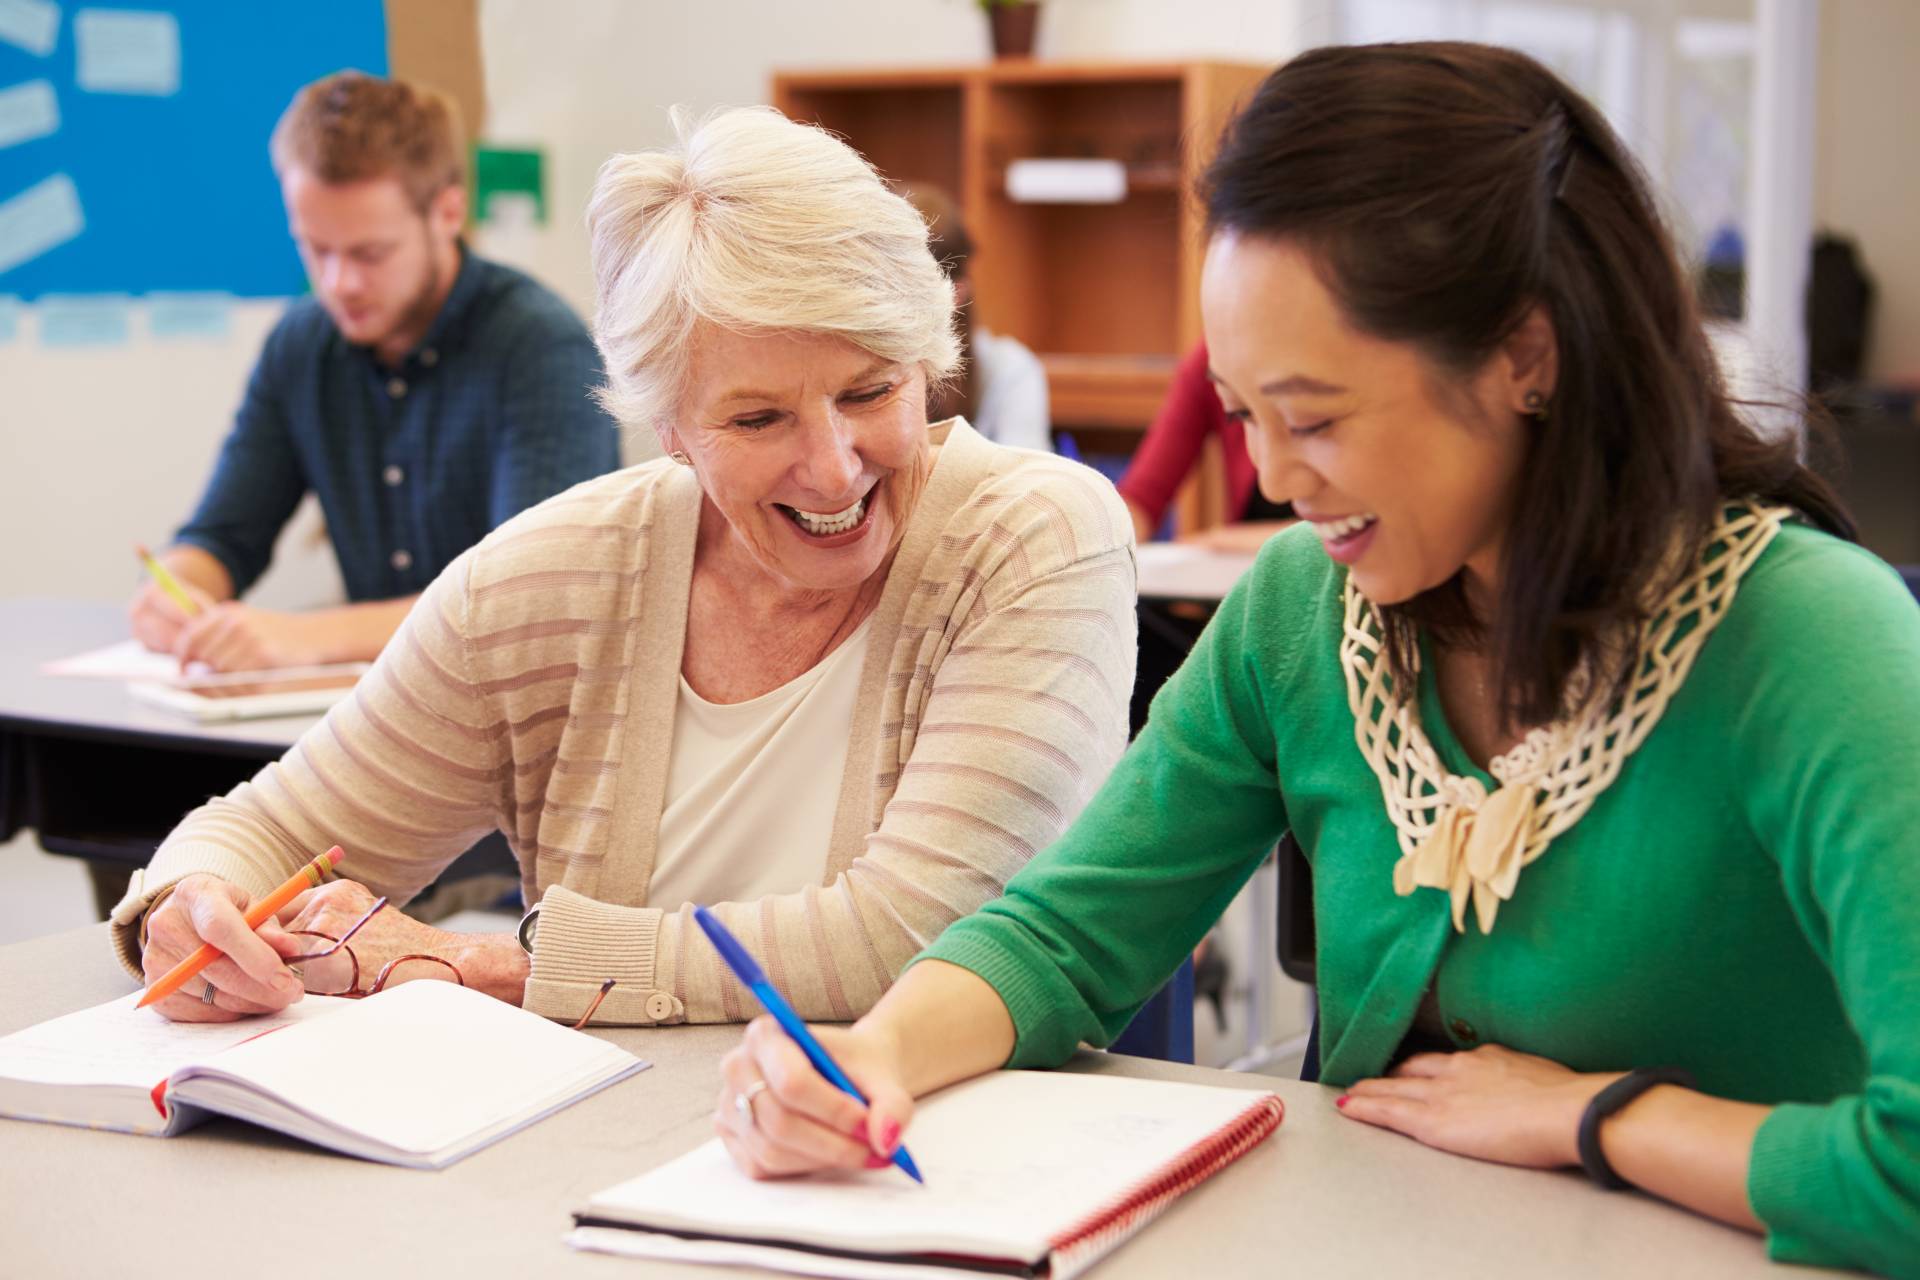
{"x": 1600, "y": 735}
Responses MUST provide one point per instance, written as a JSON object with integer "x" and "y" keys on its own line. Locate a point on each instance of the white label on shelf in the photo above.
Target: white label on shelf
{"x": 1067, "y": 181}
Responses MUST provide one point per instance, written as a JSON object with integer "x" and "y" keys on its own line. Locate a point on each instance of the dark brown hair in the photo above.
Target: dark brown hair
{"x": 353, "y": 127}
{"x": 1443, "y": 191}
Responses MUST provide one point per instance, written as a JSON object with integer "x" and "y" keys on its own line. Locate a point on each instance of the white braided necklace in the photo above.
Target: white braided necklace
{"x": 1454, "y": 835}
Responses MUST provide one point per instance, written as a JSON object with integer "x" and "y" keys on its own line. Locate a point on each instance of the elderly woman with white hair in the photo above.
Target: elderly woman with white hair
{"x": 831, "y": 669}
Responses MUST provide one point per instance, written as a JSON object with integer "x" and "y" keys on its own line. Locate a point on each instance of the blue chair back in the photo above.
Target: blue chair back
{"x": 1163, "y": 1028}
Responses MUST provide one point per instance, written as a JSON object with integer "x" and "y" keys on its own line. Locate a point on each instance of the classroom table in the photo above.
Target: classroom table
{"x": 94, "y": 772}
{"x": 100, "y": 775}
{"x": 1325, "y": 1197}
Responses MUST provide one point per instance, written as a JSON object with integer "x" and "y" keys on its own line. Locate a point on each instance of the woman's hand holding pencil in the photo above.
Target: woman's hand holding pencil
{"x": 213, "y": 954}
{"x": 164, "y": 605}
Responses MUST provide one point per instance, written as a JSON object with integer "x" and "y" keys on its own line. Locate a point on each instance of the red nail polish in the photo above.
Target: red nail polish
{"x": 889, "y": 1136}
{"x": 1341, "y": 1102}
{"x": 878, "y": 1162}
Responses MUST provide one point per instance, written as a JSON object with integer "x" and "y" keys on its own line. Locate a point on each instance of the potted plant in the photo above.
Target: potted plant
{"x": 1013, "y": 23}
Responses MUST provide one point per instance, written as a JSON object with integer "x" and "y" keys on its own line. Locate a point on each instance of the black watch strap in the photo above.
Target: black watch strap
{"x": 1611, "y": 1099}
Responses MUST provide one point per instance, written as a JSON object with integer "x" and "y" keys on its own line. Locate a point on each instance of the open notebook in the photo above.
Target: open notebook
{"x": 419, "y": 1075}
{"x": 1029, "y": 1173}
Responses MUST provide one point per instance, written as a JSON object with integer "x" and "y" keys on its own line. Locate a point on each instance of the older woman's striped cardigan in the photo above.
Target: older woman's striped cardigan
{"x": 533, "y": 688}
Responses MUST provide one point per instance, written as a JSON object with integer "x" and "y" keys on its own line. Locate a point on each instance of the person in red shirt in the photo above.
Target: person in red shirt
{"x": 1170, "y": 449}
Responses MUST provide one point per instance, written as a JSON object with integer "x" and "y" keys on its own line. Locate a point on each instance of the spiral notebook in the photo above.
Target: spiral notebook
{"x": 1029, "y": 1173}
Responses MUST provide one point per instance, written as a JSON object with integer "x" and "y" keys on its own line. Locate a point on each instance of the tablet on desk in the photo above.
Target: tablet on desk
{"x": 252, "y": 695}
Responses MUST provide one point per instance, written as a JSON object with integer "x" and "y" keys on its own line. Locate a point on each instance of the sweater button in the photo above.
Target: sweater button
{"x": 659, "y": 1006}
{"x": 1463, "y": 1030}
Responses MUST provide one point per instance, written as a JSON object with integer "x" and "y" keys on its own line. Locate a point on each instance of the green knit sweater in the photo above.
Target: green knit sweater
{"x": 1743, "y": 901}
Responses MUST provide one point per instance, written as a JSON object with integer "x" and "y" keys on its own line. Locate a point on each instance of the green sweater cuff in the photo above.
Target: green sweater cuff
{"x": 1812, "y": 1216}
{"x": 1042, "y": 1002}
{"x": 1787, "y": 1159}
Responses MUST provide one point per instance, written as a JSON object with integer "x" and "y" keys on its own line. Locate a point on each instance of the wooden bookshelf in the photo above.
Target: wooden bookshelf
{"x": 1106, "y": 294}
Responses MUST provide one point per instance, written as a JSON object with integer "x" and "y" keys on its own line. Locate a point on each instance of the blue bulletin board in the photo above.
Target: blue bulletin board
{"x": 133, "y": 139}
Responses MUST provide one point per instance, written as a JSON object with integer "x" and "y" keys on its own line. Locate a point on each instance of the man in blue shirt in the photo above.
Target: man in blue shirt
{"x": 422, "y": 394}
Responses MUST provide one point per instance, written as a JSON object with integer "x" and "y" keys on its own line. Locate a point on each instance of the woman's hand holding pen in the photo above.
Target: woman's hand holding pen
{"x": 779, "y": 1117}
{"x": 248, "y": 979}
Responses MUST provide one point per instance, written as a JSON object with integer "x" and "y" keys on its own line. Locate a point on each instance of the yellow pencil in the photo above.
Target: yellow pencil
{"x": 168, "y": 583}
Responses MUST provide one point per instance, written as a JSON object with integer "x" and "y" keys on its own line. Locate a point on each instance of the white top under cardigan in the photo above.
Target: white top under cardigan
{"x": 752, "y": 786}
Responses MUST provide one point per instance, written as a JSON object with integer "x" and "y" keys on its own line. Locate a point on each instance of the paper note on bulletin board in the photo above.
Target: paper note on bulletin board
{"x": 155, "y": 176}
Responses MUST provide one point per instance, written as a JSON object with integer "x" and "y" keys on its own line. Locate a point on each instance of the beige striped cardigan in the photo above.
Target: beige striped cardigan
{"x": 533, "y": 687}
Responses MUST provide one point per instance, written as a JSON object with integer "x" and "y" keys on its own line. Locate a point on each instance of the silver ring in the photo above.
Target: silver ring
{"x": 206, "y": 997}
{"x": 743, "y": 1102}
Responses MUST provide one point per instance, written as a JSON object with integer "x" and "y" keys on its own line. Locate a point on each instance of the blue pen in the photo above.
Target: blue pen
{"x": 747, "y": 969}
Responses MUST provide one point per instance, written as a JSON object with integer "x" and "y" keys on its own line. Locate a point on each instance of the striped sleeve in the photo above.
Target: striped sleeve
{"x": 405, "y": 775}
{"x": 1010, "y": 713}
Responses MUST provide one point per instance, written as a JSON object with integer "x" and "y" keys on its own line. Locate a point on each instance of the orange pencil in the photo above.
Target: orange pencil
{"x": 307, "y": 877}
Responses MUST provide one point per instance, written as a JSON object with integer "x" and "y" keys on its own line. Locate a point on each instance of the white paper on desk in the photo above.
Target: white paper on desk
{"x": 34, "y": 25}
{"x": 1171, "y": 555}
{"x": 128, "y": 660}
{"x": 127, "y": 51}
{"x": 738, "y": 1253}
{"x": 28, "y": 111}
{"x": 44, "y": 216}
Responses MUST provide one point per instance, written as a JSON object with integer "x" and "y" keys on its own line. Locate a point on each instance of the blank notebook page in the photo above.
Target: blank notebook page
{"x": 383, "y": 1071}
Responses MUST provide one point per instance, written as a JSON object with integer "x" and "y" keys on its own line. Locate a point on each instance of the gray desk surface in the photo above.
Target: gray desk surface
{"x": 1178, "y": 571}
{"x": 1324, "y": 1197}
{"x": 33, "y": 632}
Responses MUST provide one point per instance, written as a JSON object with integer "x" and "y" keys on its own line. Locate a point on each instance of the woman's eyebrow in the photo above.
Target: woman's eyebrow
{"x": 748, "y": 393}
{"x": 1298, "y": 384}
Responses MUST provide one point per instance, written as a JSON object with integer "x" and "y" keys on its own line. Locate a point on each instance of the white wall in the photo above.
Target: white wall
{"x": 101, "y": 447}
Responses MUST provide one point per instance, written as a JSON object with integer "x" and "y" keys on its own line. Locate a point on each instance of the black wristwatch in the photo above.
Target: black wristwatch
{"x": 1609, "y": 1100}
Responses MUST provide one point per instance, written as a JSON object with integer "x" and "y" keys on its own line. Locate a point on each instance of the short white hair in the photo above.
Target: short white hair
{"x": 758, "y": 225}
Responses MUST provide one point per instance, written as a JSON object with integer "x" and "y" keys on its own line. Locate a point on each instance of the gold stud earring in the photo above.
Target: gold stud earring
{"x": 1536, "y": 404}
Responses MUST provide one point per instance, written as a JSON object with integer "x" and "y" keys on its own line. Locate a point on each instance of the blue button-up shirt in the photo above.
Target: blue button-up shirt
{"x": 414, "y": 463}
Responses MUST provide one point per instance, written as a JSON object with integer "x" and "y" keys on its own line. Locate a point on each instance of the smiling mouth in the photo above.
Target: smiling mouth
{"x": 1345, "y": 529}
{"x": 822, "y": 524}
